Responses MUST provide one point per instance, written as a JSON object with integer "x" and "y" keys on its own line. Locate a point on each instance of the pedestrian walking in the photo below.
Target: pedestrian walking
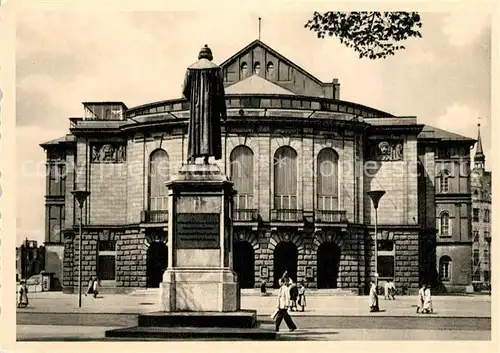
{"x": 301, "y": 302}
{"x": 421, "y": 291}
{"x": 392, "y": 290}
{"x": 427, "y": 309}
{"x": 96, "y": 287}
{"x": 294, "y": 292}
{"x": 282, "y": 306}
{"x": 93, "y": 287}
{"x": 373, "y": 297}
{"x": 22, "y": 295}
{"x": 263, "y": 289}
{"x": 387, "y": 290}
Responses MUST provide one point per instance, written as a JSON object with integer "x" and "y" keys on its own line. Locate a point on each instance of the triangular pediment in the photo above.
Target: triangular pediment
{"x": 256, "y": 85}
{"x": 261, "y": 60}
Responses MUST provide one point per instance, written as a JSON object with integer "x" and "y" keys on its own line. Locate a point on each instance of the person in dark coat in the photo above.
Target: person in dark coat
{"x": 204, "y": 89}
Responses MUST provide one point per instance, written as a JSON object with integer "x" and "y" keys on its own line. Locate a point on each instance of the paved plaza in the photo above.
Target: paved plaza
{"x": 56, "y": 316}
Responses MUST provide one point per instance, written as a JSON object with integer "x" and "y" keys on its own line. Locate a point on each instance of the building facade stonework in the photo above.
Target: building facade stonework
{"x": 301, "y": 161}
{"x": 481, "y": 220}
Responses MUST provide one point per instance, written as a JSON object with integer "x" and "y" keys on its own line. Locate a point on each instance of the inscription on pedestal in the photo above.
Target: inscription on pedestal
{"x": 198, "y": 230}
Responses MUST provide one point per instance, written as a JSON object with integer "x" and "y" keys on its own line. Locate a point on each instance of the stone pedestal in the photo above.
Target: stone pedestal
{"x": 199, "y": 276}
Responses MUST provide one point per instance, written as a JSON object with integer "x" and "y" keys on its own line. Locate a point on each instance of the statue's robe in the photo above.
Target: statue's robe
{"x": 204, "y": 89}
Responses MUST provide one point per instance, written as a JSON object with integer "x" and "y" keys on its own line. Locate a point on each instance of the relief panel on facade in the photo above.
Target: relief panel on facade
{"x": 108, "y": 153}
{"x": 386, "y": 150}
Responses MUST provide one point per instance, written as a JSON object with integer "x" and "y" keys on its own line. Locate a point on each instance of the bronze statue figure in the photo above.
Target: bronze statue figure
{"x": 204, "y": 89}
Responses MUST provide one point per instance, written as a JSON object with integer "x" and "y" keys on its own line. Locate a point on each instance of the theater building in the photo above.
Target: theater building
{"x": 302, "y": 161}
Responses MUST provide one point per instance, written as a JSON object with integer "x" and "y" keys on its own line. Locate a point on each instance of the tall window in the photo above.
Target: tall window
{"x": 445, "y": 268}
{"x": 158, "y": 176}
{"x": 444, "y": 224}
{"x": 475, "y": 215}
{"x": 241, "y": 159}
{"x": 285, "y": 178}
{"x": 444, "y": 181}
{"x": 244, "y": 70}
{"x": 55, "y": 224}
{"x": 385, "y": 259}
{"x": 475, "y": 257}
{"x": 328, "y": 189}
{"x": 486, "y": 216}
{"x": 486, "y": 256}
{"x": 106, "y": 260}
{"x": 57, "y": 179}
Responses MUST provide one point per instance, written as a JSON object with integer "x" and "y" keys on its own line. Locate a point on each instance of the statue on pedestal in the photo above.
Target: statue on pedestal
{"x": 204, "y": 89}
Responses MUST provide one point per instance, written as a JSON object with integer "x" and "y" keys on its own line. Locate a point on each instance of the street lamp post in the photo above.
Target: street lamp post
{"x": 376, "y": 195}
{"x": 80, "y": 196}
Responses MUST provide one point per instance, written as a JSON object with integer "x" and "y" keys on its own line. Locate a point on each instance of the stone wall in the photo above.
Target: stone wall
{"x": 69, "y": 268}
{"x": 131, "y": 258}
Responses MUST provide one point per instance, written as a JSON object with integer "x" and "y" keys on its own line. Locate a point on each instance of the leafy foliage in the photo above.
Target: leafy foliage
{"x": 373, "y": 35}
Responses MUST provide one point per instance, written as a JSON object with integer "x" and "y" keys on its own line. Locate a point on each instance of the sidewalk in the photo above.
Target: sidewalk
{"x": 444, "y": 306}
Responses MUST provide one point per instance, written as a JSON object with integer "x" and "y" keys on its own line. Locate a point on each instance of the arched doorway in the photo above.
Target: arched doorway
{"x": 157, "y": 262}
{"x": 328, "y": 258}
{"x": 285, "y": 259}
{"x": 243, "y": 261}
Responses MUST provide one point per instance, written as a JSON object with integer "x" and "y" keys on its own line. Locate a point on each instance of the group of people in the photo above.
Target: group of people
{"x": 425, "y": 300}
{"x": 289, "y": 297}
{"x": 22, "y": 294}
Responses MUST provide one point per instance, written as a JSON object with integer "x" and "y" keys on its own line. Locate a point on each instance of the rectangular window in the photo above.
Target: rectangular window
{"x": 475, "y": 215}
{"x": 444, "y": 271}
{"x": 385, "y": 266}
{"x": 486, "y": 256}
{"x": 475, "y": 236}
{"x": 55, "y": 223}
{"x": 475, "y": 259}
{"x": 385, "y": 259}
{"x": 106, "y": 260}
{"x": 57, "y": 179}
{"x": 486, "y": 275}
{"x": 486, "y": 216}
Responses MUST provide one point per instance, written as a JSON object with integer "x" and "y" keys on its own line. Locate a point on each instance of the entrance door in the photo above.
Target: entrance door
{"x": 328, "y": 258}
{"x": 157, "y": 262}
{"x": 243, "y": 261}
{"x": 285, "y": 259}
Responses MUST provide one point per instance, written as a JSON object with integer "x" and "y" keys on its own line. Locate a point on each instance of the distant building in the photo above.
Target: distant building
{"x": 302, "y": 161}
{"x": 30, "y": 259}
{"x": 481, "y": 217}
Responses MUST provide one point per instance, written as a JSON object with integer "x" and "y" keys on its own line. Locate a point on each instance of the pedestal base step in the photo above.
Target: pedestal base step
{"x": 195, "y": 333}
{"x": 242, "y": 319}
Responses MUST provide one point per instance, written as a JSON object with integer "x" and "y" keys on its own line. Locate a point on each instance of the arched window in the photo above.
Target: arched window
{"x": 445, "y": 268}
{"x": 158, "y": 176}
{"x": 244, "y": 69}
{"x": 444, "y": 181}
{"x": 256, "y": 68}
{"x": 285, "y": 178}
{"x": 328, "y": 188}
{"x": 241, "y": 160}
{"x": 444, "y": 224}
{"x": 270, "y": 69}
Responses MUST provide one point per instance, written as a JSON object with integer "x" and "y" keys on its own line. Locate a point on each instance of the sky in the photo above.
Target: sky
{"x": 66, "y": 58}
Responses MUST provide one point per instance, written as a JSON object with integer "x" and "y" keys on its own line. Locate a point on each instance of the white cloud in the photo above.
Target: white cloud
{"x": 463, "y": 26}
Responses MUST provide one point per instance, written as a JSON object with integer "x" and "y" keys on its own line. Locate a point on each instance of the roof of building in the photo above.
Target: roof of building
{"x": 431, "y": 132}
{"x": 58, "y": 141}
{"x": 258, "y": 42}
{"x": 255, "y": 85}
{"x": 479, "y": 156}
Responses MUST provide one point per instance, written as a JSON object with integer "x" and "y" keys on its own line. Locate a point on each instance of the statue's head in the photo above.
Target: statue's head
{"x": 205, "y": 53}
